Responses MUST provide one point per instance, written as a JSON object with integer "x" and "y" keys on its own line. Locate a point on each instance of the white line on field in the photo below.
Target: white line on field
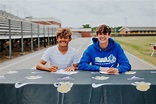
{"x": 21, "y": 61}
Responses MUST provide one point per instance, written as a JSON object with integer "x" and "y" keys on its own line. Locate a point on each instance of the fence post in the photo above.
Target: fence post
{"x": 22, "y": 49}
{"x": 38, "y": 32}
{"x": 32, "y": 38}
{"x": 10, "y": 46}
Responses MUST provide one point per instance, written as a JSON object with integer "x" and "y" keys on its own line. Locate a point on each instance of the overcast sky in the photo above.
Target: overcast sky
{"x": 75, "y": 13}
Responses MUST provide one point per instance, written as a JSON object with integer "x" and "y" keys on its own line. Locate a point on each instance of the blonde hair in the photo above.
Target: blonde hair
{"x": 63, "y": 32}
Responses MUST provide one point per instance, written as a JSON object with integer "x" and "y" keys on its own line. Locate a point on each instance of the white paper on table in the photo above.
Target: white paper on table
{"x": 62, "y": 71}
{"x": 103, "y": 72}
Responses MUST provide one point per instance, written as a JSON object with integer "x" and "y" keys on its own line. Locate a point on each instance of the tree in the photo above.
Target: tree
{"x": 93, "y": 29}
{"x": 86, "y": 26}
{"x": 116, "y": 29}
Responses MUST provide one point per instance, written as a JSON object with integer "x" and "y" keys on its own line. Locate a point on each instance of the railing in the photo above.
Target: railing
{"x": 25, "y": 27}
{"x": 11, "y": 29}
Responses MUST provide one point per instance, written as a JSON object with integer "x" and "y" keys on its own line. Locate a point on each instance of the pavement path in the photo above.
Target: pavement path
{"x": 29, "y": 61}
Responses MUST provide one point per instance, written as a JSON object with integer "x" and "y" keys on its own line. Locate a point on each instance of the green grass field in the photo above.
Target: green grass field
{"x": 139, "y": 46}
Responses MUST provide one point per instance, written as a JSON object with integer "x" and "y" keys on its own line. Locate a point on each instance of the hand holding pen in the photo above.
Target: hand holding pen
{"x": 109, "y": 70}
{"x": 112, "y": 70}
{"x": 53, "y": 68}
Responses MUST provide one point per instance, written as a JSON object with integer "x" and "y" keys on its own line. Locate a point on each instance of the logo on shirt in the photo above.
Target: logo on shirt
{"x": 110, "y": 59}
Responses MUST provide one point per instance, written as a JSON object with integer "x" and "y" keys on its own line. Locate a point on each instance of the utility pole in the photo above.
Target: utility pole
{"x": 125, "y": 21}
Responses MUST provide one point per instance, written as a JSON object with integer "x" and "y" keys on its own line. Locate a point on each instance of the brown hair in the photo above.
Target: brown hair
{"x": 63, "y": 32}
{"x": 103, "y": 29}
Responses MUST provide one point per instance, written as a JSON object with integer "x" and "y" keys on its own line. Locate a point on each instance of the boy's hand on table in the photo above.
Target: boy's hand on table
{"x": 53, "y": 68}
{"x": 71, "y": 68}
{"x": 109, "y": 70}
{"x": 113, "y": 71}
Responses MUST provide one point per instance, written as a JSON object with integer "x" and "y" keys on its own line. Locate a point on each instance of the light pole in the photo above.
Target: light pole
{"x": 125, "y": 20}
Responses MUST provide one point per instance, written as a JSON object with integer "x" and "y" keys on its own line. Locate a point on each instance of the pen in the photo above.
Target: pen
{"x": 111, "y": 66}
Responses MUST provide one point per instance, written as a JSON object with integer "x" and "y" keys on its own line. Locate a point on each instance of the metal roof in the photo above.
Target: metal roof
{"x": 139, "y": 28}
{"x": 43, "y": 19}
{"x": 81, "y": 29}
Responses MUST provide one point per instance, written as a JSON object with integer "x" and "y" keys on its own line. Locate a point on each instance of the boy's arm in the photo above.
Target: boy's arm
{"x": 123, "y": 61}
{"x": 75, "y": 66}
{"x": 41, "y": 66}
{"x": 85, "y": 61}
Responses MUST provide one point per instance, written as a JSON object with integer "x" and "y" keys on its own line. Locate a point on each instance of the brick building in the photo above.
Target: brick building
{"x": 81, "y": 32}
{"x": 138, "y": 30}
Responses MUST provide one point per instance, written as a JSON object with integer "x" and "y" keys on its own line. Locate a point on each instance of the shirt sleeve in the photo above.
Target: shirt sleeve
{"x": 45, "y": 56}
{"x": 85, "y": 63}
{"x": 123, "y": 61}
